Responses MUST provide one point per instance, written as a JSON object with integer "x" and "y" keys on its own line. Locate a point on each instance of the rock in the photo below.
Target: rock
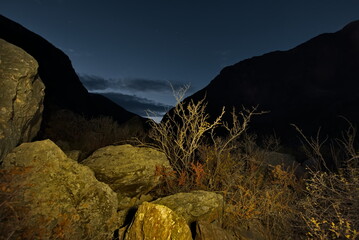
{"x": 195, "y": 206}
{"x": 153, "y": 221}
{"x": 54, "y": 196}
{"x": 21, "y": 98}
{"x": 127, "y": 206}
{"x": 210, "y": 231}
{"x": 128, "y": 170}
{"x": 73, "y": 154}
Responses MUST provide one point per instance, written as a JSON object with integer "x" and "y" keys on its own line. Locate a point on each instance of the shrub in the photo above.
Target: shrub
{"x": 330, "y": 207}
{"x": 261, "y": 198}
{"x": 186, "y": 130}
{"x": 75, "y": 132}
{"x": 181, "y": 133}
{"x": 257, "y": 196}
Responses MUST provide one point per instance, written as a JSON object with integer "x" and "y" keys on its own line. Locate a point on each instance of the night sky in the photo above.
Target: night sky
{"x": 131, "y": 50}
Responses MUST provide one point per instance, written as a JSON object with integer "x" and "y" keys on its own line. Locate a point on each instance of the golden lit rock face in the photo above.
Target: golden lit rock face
{"x": 21, "y": 98}
{"x": 195, "y": 206}
{"x": 128, "y": 170}
{"x": 153, "y": 221}
{"x": 55, "y": 197}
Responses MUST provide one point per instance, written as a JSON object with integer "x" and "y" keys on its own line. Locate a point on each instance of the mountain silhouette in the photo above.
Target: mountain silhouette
{"x": 64, "y": 89}
{"x": 310, "y": 85}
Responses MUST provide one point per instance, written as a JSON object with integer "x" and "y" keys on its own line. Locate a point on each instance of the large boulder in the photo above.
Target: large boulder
{"x": 46, "y": 195}
{"x": 21, "y": 98}
{"x": 153, "y": 221}
{"x": 128, "y": 170}
{"x": 195, "y": 206}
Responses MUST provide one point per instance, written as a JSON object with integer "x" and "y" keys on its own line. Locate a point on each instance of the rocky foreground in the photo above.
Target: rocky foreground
{"x": 47, "y": 193}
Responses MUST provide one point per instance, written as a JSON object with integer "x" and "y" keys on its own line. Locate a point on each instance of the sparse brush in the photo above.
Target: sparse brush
{"x": 75, "y": 132}
{"x": 257, "y": 196}
{"x": 330, "y": 207}
{"x": 263, "y": 198}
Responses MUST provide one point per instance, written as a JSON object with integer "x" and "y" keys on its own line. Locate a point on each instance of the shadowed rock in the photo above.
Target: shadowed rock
{"x": 21, "y": 97}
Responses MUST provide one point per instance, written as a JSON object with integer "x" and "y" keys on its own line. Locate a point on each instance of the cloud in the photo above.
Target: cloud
{"x": 137, "y": 104}
{"x": 156, "y": 96}
{"x": 95, "y": 83}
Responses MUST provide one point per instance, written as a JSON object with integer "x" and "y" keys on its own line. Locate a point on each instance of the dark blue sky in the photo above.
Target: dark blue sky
{"x": 133, "y": 47}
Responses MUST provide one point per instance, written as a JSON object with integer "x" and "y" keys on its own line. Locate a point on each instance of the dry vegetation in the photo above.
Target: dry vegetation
{"x": 270, "y": 201}
{"x": 262, "y": 200}
{"x": 71, "y": 131}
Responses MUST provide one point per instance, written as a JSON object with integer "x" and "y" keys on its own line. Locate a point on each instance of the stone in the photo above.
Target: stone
{"x": 195, "y": 206}
{"x": 127, "y": 206}
{"x": 210, "y": 231}
{"x": 128, "y": 170}
{"x": 21, "y": 98}
{"x": 73, "y": 154}
{"x": 54, "y": 196}
{"x": 153, "y": 221}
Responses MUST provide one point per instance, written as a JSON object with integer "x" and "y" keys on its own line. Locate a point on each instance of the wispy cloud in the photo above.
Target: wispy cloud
{"x": 137, "y": 104}
{"x": 129, "y": 84}
{"x": 137, "y": 95}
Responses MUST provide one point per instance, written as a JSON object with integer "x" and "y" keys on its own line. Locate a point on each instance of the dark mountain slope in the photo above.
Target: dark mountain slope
{"x": 309, "y": 85}
{"x": 63, "y": 87}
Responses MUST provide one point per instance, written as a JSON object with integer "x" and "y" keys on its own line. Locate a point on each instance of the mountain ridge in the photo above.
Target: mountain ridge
{"x": 309, "y": 85}
{"x": 64, "y": 89}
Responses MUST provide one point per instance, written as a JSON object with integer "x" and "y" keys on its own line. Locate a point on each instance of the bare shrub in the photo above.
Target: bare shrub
{"x": 257, "y": 196}
{"x": 182, "y": 135}
{"x": 182, "y": 132}
{"x": 330, "y": 207}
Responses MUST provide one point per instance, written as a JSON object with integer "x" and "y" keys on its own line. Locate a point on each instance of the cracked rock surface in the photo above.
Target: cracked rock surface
{"x": 21, "y": 98}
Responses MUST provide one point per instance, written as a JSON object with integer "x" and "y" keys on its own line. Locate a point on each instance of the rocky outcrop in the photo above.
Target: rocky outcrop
{"x": 309, "y": 85}
{"x": 128, "y": 170}
{"x": 195, "y": 206}
{"x": 153, "y": 221}
{"x": 64, "y": 89}
{"x": 21, "y": 98}
{"x": 53, "y": 197}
